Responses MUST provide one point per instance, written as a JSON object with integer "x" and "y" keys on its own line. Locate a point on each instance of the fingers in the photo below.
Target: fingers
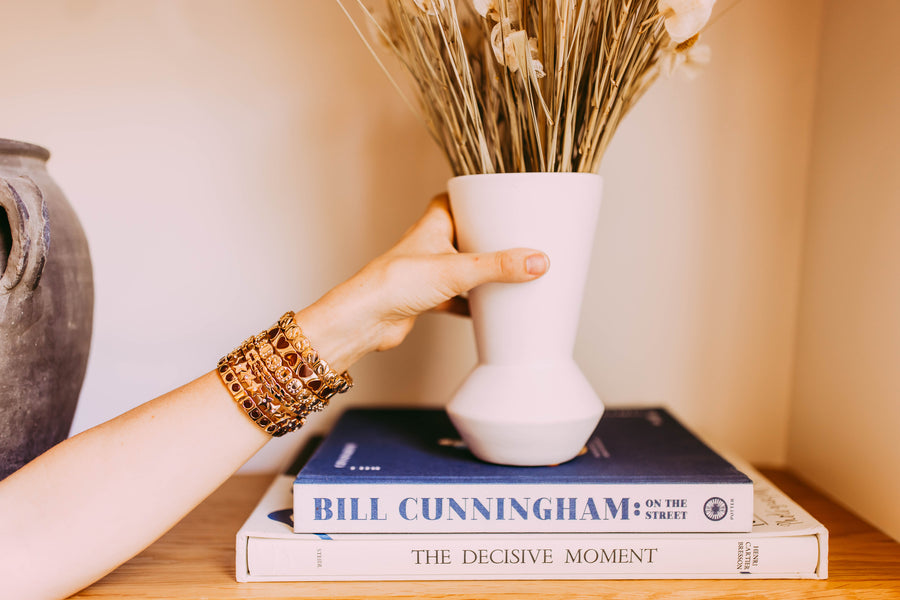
{"x": 456, "y": 305}
{"x": 433, "y": 232}
{"x": 424, "y": 271}
{"x": 518, "y": 265}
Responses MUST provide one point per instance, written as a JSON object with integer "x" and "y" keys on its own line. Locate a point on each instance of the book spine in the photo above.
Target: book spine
{"x": 401, "y": 508}
{"x": 522, "y": 556}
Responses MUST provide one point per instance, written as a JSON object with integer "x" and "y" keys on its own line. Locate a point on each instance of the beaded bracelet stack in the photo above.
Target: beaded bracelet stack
{"x": 278, "y": 379}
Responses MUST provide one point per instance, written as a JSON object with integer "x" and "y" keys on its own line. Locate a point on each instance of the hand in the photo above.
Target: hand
{"x": 376, "y": 308}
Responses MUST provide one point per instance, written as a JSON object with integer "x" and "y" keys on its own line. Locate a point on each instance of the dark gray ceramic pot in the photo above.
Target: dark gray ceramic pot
{"x": 46, "y": 307}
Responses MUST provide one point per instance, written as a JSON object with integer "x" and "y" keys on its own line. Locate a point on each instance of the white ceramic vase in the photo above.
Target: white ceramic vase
{"x": 526, "y": 402}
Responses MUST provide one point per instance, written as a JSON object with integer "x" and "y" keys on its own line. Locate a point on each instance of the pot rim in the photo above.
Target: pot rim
{"x": 529, "y": 174}
{"x": 15, "y": 147}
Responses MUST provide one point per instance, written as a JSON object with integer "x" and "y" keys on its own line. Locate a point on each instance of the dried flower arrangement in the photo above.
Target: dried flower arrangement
{"x": 534, "y": 85}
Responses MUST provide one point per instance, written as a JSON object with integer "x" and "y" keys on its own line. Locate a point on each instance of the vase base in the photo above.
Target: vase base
{"x": 526, "y": 415}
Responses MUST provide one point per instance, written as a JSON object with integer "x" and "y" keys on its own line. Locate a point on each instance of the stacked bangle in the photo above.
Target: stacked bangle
{"x": 278, "y": 379}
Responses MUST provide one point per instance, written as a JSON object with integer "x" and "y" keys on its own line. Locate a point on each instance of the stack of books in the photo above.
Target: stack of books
{"x": 393, "y": 494}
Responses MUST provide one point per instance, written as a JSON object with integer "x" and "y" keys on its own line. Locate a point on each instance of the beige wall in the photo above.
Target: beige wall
{"x": 692, "y": 301}
{"x": 845, "y": 419}
{"x": 226, "y": 161}
{"x": 230, "y": 160}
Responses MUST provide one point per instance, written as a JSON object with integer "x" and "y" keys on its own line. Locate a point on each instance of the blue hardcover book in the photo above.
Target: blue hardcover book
{"x": 406, "y": 470}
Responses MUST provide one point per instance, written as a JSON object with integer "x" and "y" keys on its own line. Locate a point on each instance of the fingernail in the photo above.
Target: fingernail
{"x": 536, "y": 264}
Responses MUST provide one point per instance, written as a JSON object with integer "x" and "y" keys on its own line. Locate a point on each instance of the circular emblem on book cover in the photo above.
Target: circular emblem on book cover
{"x": 715, "y": 509}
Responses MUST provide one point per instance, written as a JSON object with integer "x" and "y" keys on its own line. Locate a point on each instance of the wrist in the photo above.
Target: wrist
{"x": 338, "y": 333}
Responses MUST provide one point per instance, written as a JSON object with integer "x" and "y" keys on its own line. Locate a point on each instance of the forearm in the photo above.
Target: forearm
{"x": 97, "y": 499}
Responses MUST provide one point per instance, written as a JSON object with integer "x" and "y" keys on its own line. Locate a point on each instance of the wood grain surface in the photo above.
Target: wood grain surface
{"x": 196, "y": 560}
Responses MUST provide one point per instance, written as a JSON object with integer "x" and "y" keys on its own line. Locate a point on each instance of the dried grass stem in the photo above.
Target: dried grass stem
{"x": 481, "y": 80}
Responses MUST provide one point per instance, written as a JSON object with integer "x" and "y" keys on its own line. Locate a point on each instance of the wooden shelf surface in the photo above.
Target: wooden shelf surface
{"x": 196, "y": 560}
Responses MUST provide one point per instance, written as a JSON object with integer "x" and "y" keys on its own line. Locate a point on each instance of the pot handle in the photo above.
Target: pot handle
{"x": 30, "y": 228}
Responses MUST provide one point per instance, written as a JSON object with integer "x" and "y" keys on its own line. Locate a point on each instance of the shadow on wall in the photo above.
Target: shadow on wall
{"x": 376, "y": 173}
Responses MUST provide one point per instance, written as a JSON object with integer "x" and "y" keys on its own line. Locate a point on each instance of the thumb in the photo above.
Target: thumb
{"x": 516, "y": 265}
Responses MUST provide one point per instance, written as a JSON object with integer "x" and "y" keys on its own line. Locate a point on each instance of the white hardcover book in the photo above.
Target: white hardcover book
{"x": 786, "y": 542}
{"x": 405, "y": 471}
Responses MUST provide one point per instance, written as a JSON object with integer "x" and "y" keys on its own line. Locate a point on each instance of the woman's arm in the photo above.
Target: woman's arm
{"x": 95, "y": 500}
